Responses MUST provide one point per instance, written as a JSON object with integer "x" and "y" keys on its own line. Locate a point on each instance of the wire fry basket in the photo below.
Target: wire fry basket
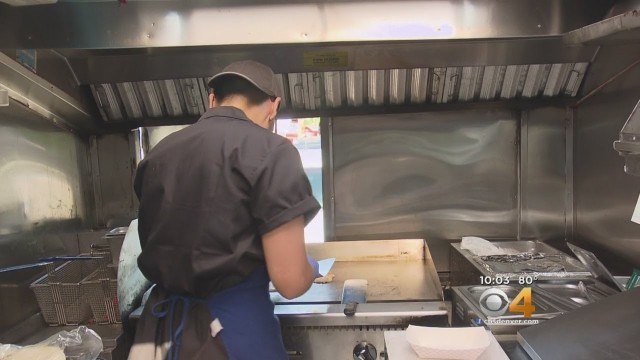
{"x": 101, "y": 289}
{"x": 59, "y": 294}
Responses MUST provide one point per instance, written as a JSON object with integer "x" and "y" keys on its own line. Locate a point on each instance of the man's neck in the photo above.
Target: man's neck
{"x": 242, "y": 105}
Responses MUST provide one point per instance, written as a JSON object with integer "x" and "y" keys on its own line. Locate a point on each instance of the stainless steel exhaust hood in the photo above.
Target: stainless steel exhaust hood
{"x": 148, "y": 60}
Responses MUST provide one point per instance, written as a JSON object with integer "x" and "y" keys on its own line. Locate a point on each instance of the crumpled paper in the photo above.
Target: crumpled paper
{"x": 480, "y": 247}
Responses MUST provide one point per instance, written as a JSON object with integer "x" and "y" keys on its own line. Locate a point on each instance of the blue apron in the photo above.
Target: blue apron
{"x": 245, "y": 311}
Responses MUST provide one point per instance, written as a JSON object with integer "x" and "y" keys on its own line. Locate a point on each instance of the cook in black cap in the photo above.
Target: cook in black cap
{"x": 223, "y": 205}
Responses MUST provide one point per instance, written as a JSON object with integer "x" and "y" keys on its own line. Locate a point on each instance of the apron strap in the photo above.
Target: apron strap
{"x": 166, "y": 309}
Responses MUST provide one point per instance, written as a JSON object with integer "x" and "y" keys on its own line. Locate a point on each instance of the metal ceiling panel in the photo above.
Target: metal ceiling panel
{"x": 557, "y": 79}
{"x": 108, "y": 104}
{"x": 171, "y": 97}
{"x": 451, "y": 84}
{"x": 514, "y": 79}
{"x": 129, "y": 100}
{"x": 575, "y": 79}
{"x": 397, "y": 86}
{"x": 375, "y": 87}
{"x": 438, "y": 80}
{"x": 333, "y": 88}
{"x": 419, "y": 83}
{"x": 150, "y": 99}
{"x": 193, "y": 99}
{"x": 355, "y": 88}
{"x": 470, "y": 83}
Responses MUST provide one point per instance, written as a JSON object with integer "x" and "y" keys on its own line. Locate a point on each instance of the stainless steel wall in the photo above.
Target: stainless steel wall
{"x": 41, "y": 172}
{"x": 113, "y": 164}
{"x": 604, "y": 195}
{"x": 545, "y": 198}
{"x": 438, "y": 175}
{"x": 43, "y": 202}
{"x": 493, "y": 173}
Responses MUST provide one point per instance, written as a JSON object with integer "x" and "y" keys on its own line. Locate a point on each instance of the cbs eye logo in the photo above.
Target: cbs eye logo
{"x": 494, "y": 302}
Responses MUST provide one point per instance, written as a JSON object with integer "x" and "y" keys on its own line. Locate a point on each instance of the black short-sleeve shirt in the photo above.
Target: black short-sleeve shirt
{"x": 208, "y": 193}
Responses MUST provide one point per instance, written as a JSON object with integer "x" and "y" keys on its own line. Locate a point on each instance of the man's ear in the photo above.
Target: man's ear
{"x": 275, "y": 105}
{"x": 212, "y": 100}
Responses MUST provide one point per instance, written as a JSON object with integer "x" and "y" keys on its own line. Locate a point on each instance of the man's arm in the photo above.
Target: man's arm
{"x": 286, "y": 258}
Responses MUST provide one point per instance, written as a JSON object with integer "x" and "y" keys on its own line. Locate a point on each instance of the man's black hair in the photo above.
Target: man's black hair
{"x": 235, "y": 85}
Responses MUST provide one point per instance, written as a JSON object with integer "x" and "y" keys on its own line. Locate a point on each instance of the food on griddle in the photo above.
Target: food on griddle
{"x": 324, "y": 279}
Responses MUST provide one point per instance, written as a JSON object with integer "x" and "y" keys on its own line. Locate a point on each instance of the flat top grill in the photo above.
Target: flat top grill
{"x": 396, "y": 271}
{"x": 389, "y": 281}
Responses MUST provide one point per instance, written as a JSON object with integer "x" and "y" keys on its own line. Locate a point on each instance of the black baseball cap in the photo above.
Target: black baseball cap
{"x": 260, "y": 75}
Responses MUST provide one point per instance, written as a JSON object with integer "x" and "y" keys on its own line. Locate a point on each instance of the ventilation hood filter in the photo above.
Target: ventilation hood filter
{"x": 317, "y": 91}
{"x": 535, "y": 78}
{"x": 172, "y": 100}
{"x": 492, "y": 81}
{"x": 557, "y": 78}
{"x": 470, "y": 83}
{"x": 514, "y": 79}
{"x": 297, "y": 90}
{"x": 129, "y": 100}
{"x": 437, "y": 84}
{"x": 281, "y": 79}
{"x": 193, "y": 97}
{"x": 629, "y": 144}
{"x": 575, "y": 79}
{"x": 333, "y": 89}
{"x": 108, "y": 103}
{"x": 451, "y": 84}
{"x": 355, "y": 86}
{"x": 313, "y": 90}
{"x": 397, "y": 86}
{"x": 419, "y": 83}
{"x": 375, "y": 87}
{"x": 152, "y": 102}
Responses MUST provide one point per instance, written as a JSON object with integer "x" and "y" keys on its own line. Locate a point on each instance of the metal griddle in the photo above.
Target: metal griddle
{"x": 403, "y": 288}
{"x": 389, "y": 281}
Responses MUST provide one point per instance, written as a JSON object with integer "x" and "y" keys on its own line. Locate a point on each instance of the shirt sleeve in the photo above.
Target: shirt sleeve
{"x": 281, "y": 191}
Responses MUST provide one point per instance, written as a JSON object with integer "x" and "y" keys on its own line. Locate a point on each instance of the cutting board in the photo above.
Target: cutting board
{"x": 398, "y": 348}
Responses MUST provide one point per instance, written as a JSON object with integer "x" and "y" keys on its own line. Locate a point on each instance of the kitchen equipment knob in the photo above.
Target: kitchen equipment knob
{"x": 365, "y": 351}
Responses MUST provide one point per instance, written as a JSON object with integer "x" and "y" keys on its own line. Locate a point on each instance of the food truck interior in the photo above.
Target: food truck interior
{"x": 438, "y": 121}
